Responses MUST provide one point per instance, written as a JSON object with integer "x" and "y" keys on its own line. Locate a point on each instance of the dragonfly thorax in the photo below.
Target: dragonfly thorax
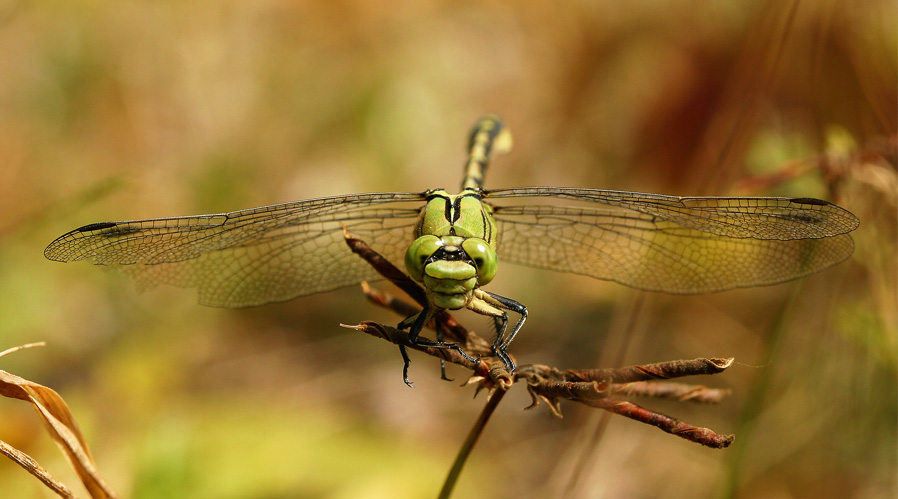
{"x": 461, "y": 214}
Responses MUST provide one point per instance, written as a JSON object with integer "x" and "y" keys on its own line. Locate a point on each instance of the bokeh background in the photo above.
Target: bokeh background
{"x": 112, "y": 111}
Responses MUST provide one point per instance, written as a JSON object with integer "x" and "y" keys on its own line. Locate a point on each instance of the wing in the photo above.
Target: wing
{"x": 256, "y": 256}
{"x": 673, "y": 244}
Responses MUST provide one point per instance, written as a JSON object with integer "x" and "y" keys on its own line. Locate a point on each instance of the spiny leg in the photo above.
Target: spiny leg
{"x": 516, "y": 307}
{"x": 501, "y": 323}
{"x": 485, "y": 304}
{"x": 405, "y": 362}
{"x": 493, "y": 305}
{"x": 439, "y": 328}
{"x": 416, "y": 324}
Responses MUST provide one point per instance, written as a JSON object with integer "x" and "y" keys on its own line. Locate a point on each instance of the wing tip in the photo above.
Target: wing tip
{"x": 51, "y": 255}
{"x": 850, "y": 222}
{"x": 54, "y": 251}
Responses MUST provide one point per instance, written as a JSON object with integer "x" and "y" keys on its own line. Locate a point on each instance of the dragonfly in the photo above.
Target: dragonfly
{"x": 452, "y": 243}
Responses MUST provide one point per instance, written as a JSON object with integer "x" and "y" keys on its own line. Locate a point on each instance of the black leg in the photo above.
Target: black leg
{"x": 416, "y": 326}
{"x": 501, "y": 323}
{"x": 501, "y": 345}
{"x": 413, "y": 333}
{"x": 439, "y": 328}
{"x": 406, "y": 361}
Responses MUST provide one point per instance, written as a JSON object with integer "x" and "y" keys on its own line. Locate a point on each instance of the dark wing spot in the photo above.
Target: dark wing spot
{"x": 818, "y": 202}
{"x": 96, "y": 226}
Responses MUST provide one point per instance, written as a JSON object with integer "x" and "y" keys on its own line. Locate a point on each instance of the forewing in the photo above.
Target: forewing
{"x": 671, "y": 244}
{"x": 255, "y": 256}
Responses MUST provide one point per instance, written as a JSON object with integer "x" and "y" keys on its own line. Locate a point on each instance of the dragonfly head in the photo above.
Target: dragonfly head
{"x": 451, "y": 267}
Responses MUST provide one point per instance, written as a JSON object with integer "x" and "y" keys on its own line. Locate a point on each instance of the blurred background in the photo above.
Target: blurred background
{"x": 114, "y": 111}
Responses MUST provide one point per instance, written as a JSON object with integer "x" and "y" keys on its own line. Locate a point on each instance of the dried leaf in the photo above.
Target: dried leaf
{"x": 62, "y": 427}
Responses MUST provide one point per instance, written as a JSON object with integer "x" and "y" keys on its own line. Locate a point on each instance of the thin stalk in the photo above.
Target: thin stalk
{"x": 466, "y": 448}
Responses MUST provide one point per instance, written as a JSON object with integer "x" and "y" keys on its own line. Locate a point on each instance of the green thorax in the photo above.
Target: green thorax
{"x": 463, "y": 215}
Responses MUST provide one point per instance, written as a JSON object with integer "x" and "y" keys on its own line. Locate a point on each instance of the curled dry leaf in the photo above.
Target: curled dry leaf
{"x": 62, "y": 427}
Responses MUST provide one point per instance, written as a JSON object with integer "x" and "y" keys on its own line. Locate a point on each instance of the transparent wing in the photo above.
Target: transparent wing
{"x": 672, "y": 244}
{"x": 256, "y": 256}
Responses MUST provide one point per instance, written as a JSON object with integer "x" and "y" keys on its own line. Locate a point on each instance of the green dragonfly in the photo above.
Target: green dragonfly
{"x": 451, "y": 243}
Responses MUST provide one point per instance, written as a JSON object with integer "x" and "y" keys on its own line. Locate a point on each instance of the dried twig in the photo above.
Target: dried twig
{"x": 470, "y": 441}
{"x": 31, "y": 466}
{"x": 591, "y": 387}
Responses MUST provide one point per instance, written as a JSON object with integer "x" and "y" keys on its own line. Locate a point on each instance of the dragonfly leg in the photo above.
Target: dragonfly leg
{"x": 405, "y": 362}
{"x": 486, "y": 303}
{"x": 416, "y": 324}
{"x": 501, "y": 323}
{"x": 516, "y": 307}
{"x": 439, "y": 328}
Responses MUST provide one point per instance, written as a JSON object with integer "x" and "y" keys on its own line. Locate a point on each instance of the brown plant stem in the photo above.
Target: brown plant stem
{"x": 661, "y": 370}
{"x": 591, "y": 387}
{"x": 470, "y": 441}
{"x": 696, "y": 434}
{"x": 677, "y": 391}
{"x": 30, "y": 465}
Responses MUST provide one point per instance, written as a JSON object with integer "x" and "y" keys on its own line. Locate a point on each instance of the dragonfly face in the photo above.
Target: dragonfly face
{"x": 453, "y": 254}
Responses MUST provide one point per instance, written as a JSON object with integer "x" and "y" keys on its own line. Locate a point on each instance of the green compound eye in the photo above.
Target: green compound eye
{"x": 418, "y": 253}
{"x": 484, "y": 258}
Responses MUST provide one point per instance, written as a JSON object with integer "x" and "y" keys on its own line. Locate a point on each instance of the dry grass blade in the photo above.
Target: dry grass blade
{"x": 62, "y": 428}
{"x": 31, "y": 466}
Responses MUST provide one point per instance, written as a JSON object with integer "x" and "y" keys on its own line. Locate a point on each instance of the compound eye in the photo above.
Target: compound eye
{"x": 418, "y": 253}
{"x": 484, "y": 257}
